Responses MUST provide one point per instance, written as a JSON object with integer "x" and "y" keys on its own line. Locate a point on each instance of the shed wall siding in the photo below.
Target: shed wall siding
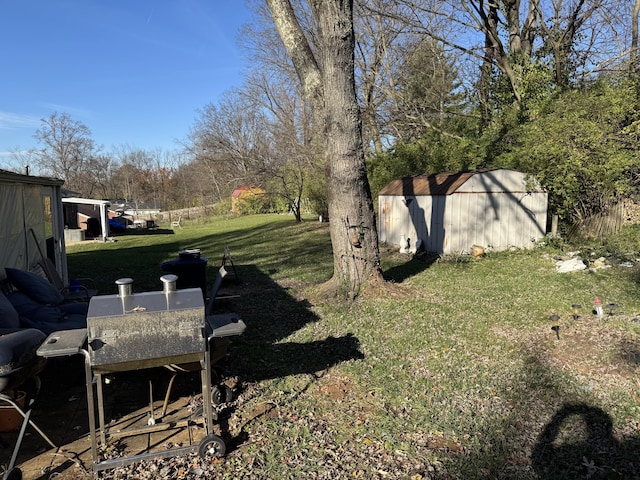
{"x": 454, "y": 223}
{"x": 437, "y": 227}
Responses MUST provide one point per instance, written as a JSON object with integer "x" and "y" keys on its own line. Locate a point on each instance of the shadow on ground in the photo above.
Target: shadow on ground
{"x": 591, "y": 452}
{"x": 142, "y": 231}
{"x": 416, "y": 264}
{"x": 272, "y": 314}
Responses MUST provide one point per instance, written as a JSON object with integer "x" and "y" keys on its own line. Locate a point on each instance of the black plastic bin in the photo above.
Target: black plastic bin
{"x": 191, "y": 269}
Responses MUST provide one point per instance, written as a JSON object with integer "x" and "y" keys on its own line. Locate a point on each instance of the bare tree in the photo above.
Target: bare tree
{"x": 105, "y": 184}
{"x": 377, "y": 55}
{"x": 326, "y": 74}
{"x": 68, "y": 152}
{"x": 273, "y": 86}
{"x": 287, "y": 124}
{"x": 158, "y": 181}
{"x": 230, "y": 143}
{"x": 137, "y": 175}
{"x": 189, "y": 185}
{"x": 573, "y": 36}
{"x": 22, "y": 161}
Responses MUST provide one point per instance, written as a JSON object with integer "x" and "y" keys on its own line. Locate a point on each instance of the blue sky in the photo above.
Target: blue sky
{"x": 135, "y": 72}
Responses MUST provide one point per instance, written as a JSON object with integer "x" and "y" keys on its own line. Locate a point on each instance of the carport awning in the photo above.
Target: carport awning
{"x": 103, "y": 204}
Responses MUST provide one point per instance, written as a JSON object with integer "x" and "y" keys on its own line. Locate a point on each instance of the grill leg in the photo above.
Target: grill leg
{"x": 90, "y": 405}
{"x": 205, "y": 373}
{"x": 103, "y": 437}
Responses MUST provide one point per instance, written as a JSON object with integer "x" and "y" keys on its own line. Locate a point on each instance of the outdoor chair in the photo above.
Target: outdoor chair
{"x": 215, "y": 294}
{"x": 177, "y": 223}
{"x": 19, "y": 364}
{"x": 79, "y": 290}
{"x": 227, "y": 262}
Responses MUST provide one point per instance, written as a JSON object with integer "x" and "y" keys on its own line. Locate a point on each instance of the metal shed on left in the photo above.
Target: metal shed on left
{"x": 32, "y": 222}
{"x": 452, "y": 212}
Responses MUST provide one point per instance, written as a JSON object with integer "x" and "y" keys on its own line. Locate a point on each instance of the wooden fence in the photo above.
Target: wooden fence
{"x": 602, "y": 224}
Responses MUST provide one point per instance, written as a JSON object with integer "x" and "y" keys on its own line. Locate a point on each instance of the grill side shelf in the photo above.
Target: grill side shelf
{"x": 225, "y": 325}
{"x": 63, "y": 343}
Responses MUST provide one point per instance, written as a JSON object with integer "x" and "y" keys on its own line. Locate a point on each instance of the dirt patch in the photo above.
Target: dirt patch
{"x": 599, "y": 353}
{"x": 596, "y": 349}
{"x": 595, "y": 352}
{"x": 336, "y": 388}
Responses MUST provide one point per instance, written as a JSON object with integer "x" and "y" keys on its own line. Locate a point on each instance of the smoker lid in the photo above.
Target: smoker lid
{"x": 147, "y": 302}
{"x": 189, "y": 254}
{"x": 143, "y": 330}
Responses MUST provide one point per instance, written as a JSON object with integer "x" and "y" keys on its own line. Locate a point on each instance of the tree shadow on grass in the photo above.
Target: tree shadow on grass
{"x": 414, "y": 266}
{"x": 272, "y": 314}
{"x": 262, "y": 352}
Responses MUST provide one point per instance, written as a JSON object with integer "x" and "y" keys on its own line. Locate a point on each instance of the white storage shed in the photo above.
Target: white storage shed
{"x": 452, "y": 212}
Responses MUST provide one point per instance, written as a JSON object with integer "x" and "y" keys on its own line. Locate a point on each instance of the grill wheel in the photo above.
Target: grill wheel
{"x": 211, "y": 447}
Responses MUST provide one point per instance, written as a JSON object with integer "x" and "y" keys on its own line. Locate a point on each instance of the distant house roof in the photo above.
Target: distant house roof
{"x": 85, "y": 201}
{"x": 238, "y": 192}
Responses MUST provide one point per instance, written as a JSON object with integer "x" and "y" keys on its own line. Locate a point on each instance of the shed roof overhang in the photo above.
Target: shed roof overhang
{"x": 492, "y": 180}
{"x": 436, "y": 184}
{"x": 12, "y": 177}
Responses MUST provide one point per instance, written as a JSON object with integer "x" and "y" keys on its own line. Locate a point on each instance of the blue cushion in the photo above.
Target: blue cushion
{"x": 38, "y": 288}
{"x": 75, "y": 308}
{"x": 17, "y": 349}
{"x": 68, "y": 322}
{"x": 48, "y": 318}
{"x": 8, "y": 316}
{"x": 28, "y": 308}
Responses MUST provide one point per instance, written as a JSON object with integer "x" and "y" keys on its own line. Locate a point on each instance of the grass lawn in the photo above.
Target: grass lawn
{"x": 455, "y": 373}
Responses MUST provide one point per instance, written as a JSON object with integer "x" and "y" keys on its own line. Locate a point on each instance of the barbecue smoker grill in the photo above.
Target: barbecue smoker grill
{"x": 131, "y": 331}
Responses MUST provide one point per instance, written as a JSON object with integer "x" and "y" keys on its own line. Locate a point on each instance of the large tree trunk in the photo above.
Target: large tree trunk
{"x": 328, "y": 81}
{"x": 352, "y": 219}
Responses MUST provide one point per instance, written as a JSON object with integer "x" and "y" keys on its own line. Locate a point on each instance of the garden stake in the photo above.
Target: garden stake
{"x": 576, "y": 307}
{"x": 554, "y": 325}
